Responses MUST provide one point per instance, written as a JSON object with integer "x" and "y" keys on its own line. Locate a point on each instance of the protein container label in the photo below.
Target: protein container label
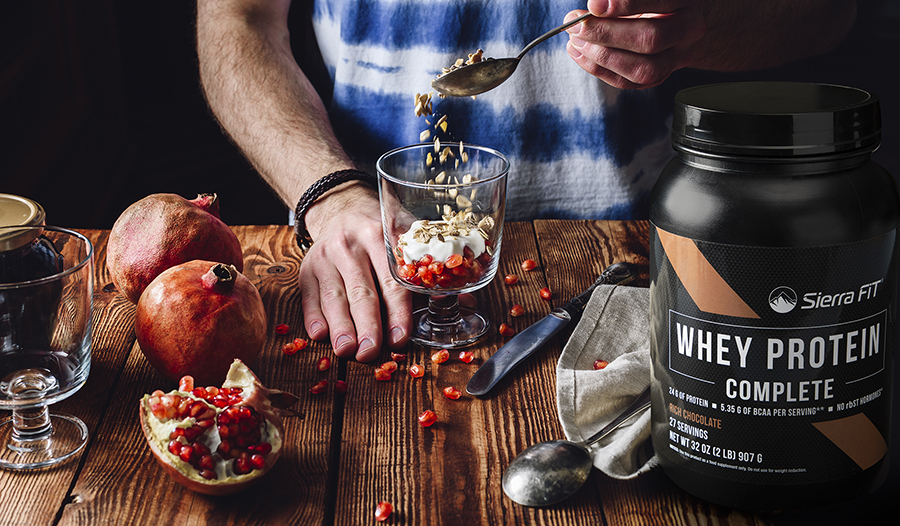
{"x": 772, "y": 365}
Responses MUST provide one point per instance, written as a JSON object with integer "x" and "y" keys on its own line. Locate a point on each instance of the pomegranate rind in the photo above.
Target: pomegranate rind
{"x": 180, "y": 334}
{"x": 157, "y": 435}
{"x": 164, "y": 230}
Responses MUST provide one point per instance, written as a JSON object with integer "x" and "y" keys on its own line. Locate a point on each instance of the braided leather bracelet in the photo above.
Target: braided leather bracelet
{"x": 304, "y": 240}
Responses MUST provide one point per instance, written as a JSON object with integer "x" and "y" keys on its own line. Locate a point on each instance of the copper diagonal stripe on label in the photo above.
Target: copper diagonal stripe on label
{"x": 706, "y": 287}
{"x": 856, "y": 436}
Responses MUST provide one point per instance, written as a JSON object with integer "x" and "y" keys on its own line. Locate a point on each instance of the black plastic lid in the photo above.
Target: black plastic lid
{"x": 775, "y": 120}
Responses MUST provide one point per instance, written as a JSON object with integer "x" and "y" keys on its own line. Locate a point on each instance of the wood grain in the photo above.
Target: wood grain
{"x": 346, "y": 452}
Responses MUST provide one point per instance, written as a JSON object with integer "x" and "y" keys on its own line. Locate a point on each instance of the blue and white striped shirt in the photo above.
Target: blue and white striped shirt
{"x": 578, "y": 147}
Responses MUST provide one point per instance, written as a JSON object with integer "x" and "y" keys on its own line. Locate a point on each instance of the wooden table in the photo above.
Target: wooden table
{"x": 347, "y": 452}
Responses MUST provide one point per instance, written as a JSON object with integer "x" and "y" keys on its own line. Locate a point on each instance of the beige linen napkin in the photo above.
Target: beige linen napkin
{"x": 615, "y": 327}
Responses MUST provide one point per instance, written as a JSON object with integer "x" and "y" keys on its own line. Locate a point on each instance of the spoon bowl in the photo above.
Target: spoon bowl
{"x": 474, "y": 79}
{"x": 550, "y": 472}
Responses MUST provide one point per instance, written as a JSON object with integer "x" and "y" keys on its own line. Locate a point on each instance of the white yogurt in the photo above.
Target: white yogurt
{"x": 440, "y": 250}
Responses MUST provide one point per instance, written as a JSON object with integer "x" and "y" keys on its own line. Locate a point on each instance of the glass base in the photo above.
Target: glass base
{"x": 463, "y": 331}
{"x": 67, "y": 437}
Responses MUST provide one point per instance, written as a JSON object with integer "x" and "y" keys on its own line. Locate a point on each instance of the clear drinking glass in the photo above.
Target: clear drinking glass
{"x": 442, "y": 210}
{"x": 46, "y": 296}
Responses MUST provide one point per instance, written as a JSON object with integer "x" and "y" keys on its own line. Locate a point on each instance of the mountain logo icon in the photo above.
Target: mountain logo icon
{"x": 783, "y": 300}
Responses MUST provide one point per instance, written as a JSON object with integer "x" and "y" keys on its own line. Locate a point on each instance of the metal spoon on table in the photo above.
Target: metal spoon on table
{"x": 479, "y": 77}
{"x": 549, "y": 472}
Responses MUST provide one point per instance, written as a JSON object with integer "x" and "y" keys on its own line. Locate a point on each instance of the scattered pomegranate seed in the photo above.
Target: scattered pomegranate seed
{"x": 440, "y": 356}
{"x": 416, "y": 370}
{"x": 382, "y": 375}
{"x": 466, "y": 356}
{"x": 320, "y": 387}
{"x": 398, "y": 357}
{"x": 511, "y": 279}
{"x": 282, "y": 328}
{"x": 546, "y": 294}
{"x": 506, "y": 330}
{"x": 289, "y": 348}
{"x": 427, "y": 418}
{"x": 300, "y": 343}
{"x": 516, "y": 310}
{"x": 529, "y": 264}
{"x": 451, "y": 392}
{"x": 390, "y": 366}
{"x": 600, "y": 364}
{"x": 324, "y": 363}
{"x": 340, "y": 386}
{"x": 383, "y": 511}
{"x": 186, "y": 383}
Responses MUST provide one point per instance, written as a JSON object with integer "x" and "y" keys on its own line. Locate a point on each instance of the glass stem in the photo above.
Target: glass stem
{"x": 443, "y": 313}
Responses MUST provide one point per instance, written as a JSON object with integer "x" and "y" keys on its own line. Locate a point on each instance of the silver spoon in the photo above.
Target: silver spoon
{"x": 549, "y": 472}
{"x": 488, "y": 74}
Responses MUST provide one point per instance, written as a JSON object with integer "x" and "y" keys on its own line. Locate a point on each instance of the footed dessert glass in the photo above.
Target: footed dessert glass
{"x": 442, "y": 211}
{"x": 46, "y": 298}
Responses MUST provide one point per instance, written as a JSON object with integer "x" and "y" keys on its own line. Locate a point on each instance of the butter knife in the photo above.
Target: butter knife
{"x": 534, "y": 337}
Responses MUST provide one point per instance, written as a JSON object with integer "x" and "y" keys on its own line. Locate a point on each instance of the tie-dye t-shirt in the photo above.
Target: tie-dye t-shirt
{"x": 578, "y": 148}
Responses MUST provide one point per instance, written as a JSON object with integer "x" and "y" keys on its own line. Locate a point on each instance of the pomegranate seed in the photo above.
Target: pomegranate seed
{"x": 453, "y": 261}
{"x": 257, "y": 461}
{"x": 282, "y": 328}
{"x": 324, "y": 363}
{"x": 186, "y": 384}
{"x": 382, "y": 375}
{"x": 263, "y": 448}
{"x": 174, "y": 447}
{"x": 200, "y": 392}
{"x": 529, "y": 264}
{"x": 320, "y": 387}
{"x": 185, "y": 453}
{"x": 426, "y": 260}
{"x": 546, "y": 294}
{"x": 466, "y": 356}
{"x": 340, "y": 386}
{"x": 383, "y": 511}
{"x": 516, "y": 310}
{"x": 511, "y": 279}
{"x": 242, "y": 465}
{"x": 289, "y": 348}
{"x": 451, "y": 392}
{"x": 207, "y": 462}
{"x": 208, "y": 474}
{"x": 416, "y": 370}
{"x": 506, "y": 330}
{"x": 398, "y": 357}
{"x": 212, "y": 391}
{"x": 389, "y": 366}
{"x": 440, "y": 356}
{"x": 427, "y": 418}
{"x": 300, "y": 343}
{"x": 600, "y": 364}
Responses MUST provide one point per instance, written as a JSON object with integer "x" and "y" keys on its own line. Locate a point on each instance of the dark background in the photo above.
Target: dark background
{"x": 100, "y": 106}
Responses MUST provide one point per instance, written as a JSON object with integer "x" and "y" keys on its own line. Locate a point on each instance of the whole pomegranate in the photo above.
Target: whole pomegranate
{"x": 164, "y": 230}
{"x": 196, "y": 317}
{"x": 215, "y": 440}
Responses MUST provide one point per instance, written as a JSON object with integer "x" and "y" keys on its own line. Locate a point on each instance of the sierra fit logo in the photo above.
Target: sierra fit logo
{"x": 783, "y": 300}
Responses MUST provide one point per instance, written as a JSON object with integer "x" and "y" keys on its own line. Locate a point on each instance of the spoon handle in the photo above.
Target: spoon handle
{"x": 642, "y": 402}
{"x": 552, "y": 32}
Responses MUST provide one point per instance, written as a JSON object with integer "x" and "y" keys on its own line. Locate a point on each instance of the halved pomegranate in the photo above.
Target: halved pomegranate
{"x": 212, "y": 440}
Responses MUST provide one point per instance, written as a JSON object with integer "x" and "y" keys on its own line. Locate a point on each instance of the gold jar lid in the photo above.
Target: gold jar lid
{"x": 18, "y": 211}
